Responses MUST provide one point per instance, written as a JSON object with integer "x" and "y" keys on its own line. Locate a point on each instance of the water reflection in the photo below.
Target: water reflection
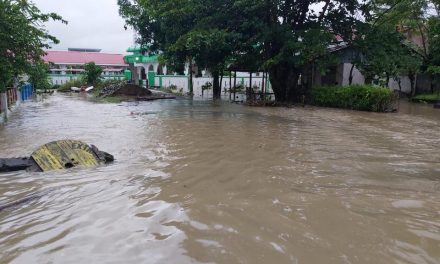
{"x": 196, "y": 182}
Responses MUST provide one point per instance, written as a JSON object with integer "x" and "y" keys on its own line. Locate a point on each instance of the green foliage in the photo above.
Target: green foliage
{"x": 426, "y": 97}
{"x": 355, "y": 97}
{"x": 416, "y": 18}
{"x": 92, "y": 73}
{"x": 39, "y": 77}
{"x": 22, "y": 38}
{"x": 434, "y": 41}
{"x": 73, "y": 83}
{"x": 282, "y": 37}
{"x": 383, "y": 53}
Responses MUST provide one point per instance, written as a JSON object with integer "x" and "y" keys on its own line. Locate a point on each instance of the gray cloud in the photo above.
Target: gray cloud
{"x": 92, "y": 24}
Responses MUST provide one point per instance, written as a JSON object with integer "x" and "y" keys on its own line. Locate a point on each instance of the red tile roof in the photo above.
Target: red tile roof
{"x": 75, "y": 57}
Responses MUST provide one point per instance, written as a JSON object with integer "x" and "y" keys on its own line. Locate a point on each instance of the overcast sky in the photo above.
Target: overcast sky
{"x": 92, "y": 24}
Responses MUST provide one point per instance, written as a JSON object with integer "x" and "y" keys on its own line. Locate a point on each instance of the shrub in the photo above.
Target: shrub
{"x": 73, "y": 83}
{"x": 356, "y": 97}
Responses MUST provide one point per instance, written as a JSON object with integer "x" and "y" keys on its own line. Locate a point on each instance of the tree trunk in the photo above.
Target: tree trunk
{"x": 411, "y": 77}
{"x": 216, "y": 90}
{"x": 191, "y": 90}
{"x": 230, "y": 85}
{"x": 399, "y": 82}
{"x": 350, "y": 78}
{"x": 134, "y": 74}
{"x": 284, "y": 81}
{"x": 221, "y": 81}
{"x": 235, "y": 83}
{"x": 250, "y": 96}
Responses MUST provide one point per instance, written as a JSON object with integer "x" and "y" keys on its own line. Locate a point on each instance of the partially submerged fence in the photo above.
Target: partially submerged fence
{"x": 27, "y": 91}
{"x": 12, "y": 96}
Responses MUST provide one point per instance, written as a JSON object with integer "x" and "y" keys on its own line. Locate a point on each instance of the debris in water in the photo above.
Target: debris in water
{"x": 58, "y": 155}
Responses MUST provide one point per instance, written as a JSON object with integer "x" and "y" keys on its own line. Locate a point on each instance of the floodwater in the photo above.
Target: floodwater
{"x": 201, "y": 183}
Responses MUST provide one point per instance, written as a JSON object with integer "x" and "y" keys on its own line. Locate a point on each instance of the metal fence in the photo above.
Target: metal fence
{"x": 26, "y": 92}
{"x": 11, "y": 94}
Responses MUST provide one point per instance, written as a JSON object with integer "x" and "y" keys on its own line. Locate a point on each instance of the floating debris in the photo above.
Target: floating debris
{"x": 58, "y": 155}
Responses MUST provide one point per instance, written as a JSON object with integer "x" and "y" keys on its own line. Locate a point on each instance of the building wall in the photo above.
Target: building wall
{"x": 60, "y": 73}
{"x": 358, "y": 78}
{"x": 405, "y": 83}
{"x": 60, "y": 79}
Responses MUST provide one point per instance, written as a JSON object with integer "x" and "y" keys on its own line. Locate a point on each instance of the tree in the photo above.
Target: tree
{"x": 22, "y": 38}
{"x": 296, "y": 36}
{"x": 38, "y": 76}
{"x": 92, "y": 73}
{"x": 382, "y": 52}
{"x": 415, "y": 18}
{"x": 288, "y": 36}
{"x": 183, "y": 32}
{"x": 433, "y": 66}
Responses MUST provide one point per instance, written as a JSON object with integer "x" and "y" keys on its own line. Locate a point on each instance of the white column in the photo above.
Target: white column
{"x": 4, "y": 104}
{"x": 18, "y": 96}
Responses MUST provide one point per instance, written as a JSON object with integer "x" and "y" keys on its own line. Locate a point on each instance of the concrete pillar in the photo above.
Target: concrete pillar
{"x": 134, "y": 73}
{"x": 4, "y": 104}
{"x": 18, "y": 96}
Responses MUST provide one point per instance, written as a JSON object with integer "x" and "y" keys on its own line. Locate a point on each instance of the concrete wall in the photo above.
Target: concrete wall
{"x": 405, "y": 83}
{"x": 358, "y": 78}
{"x": 182, "y": 82}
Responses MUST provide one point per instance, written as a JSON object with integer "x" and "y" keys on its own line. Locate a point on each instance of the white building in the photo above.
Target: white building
{"x": 69, "y": 65}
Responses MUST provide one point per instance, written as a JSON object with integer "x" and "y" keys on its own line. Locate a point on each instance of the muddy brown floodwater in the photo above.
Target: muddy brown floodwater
{"x": 201, "y": 183}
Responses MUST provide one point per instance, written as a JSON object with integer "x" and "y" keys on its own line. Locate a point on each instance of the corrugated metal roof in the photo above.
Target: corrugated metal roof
{"x": 75, "y": 57}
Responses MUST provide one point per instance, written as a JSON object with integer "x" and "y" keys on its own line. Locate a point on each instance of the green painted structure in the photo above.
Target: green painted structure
{"x": 138, "y": 57}
{"x": 127, "y": 74}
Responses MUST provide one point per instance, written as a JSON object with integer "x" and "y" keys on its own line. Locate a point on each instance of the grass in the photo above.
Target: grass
{"x": 114, "y": 99}
{"x": 355, "y": 97}
{"x": 430, "y": 98}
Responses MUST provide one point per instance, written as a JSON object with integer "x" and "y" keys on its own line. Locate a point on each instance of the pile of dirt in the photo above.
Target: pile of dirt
{"x": 125, "y": 89}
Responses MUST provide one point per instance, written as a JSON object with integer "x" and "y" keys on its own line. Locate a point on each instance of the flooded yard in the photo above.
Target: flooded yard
{"x": 197, "y": 182}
